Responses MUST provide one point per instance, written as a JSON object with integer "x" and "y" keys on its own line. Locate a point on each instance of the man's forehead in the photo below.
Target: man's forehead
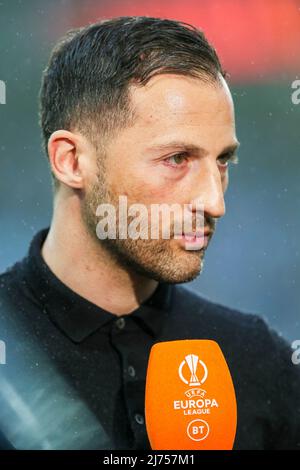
{"x": 180, "y": 96}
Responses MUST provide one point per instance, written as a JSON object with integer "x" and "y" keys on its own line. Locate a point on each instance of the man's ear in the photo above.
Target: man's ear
{"x": 64, "y": 157}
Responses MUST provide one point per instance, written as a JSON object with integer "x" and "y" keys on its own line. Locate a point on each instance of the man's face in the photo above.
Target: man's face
{"x": 176, "y": 151}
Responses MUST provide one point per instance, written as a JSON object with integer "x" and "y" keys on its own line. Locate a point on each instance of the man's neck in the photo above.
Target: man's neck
{"x": 81, "y": 263}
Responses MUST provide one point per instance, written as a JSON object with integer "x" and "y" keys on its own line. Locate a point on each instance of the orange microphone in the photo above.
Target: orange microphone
{"x": 190, "y": 399}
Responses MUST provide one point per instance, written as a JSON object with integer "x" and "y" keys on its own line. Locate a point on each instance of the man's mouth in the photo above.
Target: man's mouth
{"x": 195, "y": 240}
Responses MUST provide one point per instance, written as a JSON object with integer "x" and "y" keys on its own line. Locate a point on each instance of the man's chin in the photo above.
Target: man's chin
{"x": 178, "y": 273}
{"x": 160, "y": 262}
{"x": 188, "y": 276}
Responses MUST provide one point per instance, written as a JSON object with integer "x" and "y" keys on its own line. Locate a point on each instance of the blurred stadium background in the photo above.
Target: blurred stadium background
{"x": 253, "y": 261}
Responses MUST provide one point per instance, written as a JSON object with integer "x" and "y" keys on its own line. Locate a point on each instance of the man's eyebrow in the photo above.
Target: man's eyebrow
{"x": 231, "y": 148}
{"x": 180, "y": 145}
{"x": 176, "y": 144}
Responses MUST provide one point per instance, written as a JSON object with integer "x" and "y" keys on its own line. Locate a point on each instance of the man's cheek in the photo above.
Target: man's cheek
{"x": 142, "y": 191}
{"x": 145, "y": 186}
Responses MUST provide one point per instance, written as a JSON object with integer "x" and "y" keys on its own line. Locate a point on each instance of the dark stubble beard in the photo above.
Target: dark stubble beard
{"x": 161, "y": 259}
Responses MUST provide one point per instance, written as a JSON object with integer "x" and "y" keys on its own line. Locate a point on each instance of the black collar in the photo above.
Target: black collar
{"x": 74, "y": 315}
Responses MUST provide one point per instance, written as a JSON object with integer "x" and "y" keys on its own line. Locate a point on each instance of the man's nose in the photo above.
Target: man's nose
{"x": 210, "y": 193}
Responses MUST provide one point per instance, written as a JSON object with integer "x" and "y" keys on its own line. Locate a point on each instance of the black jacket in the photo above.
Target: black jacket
{"x": 74, "y": 376}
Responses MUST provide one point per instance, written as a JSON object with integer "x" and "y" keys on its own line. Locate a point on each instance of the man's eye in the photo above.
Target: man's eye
{"x": 177, "y": 159}
{"x": 223, "y": 160}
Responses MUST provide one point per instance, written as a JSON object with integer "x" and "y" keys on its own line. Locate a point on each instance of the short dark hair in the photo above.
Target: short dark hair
{"x": 86, "y": 82}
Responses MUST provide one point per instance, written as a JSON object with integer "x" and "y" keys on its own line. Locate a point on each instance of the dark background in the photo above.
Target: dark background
{"x": 253, "y": 261}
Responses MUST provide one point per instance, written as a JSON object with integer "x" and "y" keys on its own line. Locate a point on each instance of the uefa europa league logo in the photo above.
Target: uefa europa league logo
{"x": 190, "y": 364}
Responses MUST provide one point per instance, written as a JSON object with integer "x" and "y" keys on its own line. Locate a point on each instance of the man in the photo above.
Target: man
{"x": 135, "y": 107}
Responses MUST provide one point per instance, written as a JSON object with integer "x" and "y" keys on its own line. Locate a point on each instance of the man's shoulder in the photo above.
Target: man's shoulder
{"x": 244, "y": 337}
{"x": 193, "y": 304}
{"x": 11, "y": 277}
{"x": 15, "y": 294}
{"x": 246, "y": 331}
